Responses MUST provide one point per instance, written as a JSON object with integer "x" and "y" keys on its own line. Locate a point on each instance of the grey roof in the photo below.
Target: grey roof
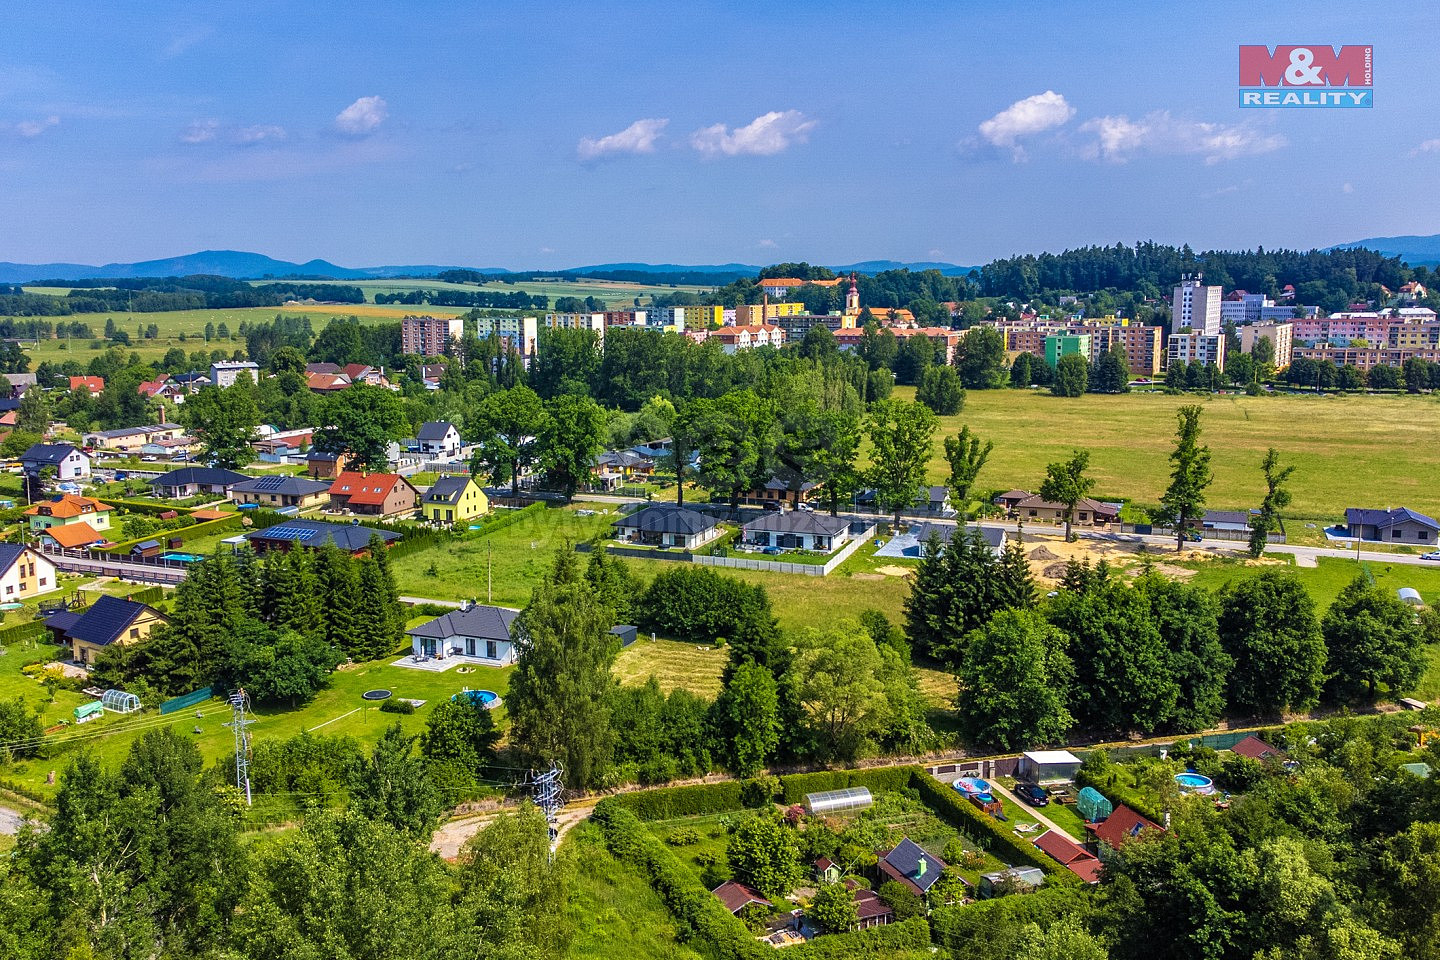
{"x": 799, "y": 521}
{"x": 46, "y": 454}
{"x": 776, "y": 483}
{"x": 188, "y": 475}
{"x": 939, "y": 494}
{"x": 434, "y": 430}
{"x": 107, "y": 618}
{"x": 1388, "y": 518}
{"x": 664, "y": 518}
{"x": 144, "y": 545}
{"x": 1226, "y": 516}
{"x": 9, "y": 553}
{"x": 994, "y": 537}
{"x": 906, "y": 858}
{"x": 193, "y": 376}
{"x": 314, "y": 533}
{"x": 621, "y": 458}
{"x": 480, "y": 621}
{"x": 322, "y": 368}
{"x": 446, "y": 489}
{"x": 289, "y": 486}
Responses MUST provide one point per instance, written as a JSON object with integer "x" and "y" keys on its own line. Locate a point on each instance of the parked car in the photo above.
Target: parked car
{"x": 1432, "y": 555}
{"x": 774, "y": 506}
{"x": 805, "y": 507}
{"x": 1032, "y": 794}
{"x": 772, "y": 551}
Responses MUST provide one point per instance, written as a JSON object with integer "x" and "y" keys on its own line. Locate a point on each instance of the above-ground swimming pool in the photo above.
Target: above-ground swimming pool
{"x": 182, "y": 557}
{"x": 1192, "y": 782}
{"x": 12, "y": 605}
{"x": 488, "y": 699}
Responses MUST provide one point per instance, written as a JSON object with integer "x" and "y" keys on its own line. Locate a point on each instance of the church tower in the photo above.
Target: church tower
{"x": 852, "y": 299}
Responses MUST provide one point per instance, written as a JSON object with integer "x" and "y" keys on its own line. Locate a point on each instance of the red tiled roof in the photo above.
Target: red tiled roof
{"x": 327, "y": 381}
{"x": 737, "y": 896}
{"x": 356, "y": 370}
{"x": 69, "y": 505}
{"x": 369, "y": 491}
{"x": 1122, "y": 825}
{"x": 869, "y": 906}
{"x": 1070, "y": 854}
{"x": 202, "y": 515}
{"x": 1257, "y": 749}
{"x": 151, "y": 387}
{"x": 93, "y": 384}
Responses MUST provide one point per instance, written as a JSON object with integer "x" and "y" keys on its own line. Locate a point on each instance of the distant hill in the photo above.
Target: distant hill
{"x": 236, "y": 264}
{"x": 242, "y": 265}
{"x": 1413, "y": 250}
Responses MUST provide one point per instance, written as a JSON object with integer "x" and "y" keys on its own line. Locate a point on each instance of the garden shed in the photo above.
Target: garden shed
{"x": 1411, "y": 596}
{"x": 1013, "y": 880}
{"x": 838, "y": 801}
{"x": 1092, "y": 805}
{"x": 118, "y": 701}
{"x": 1039, "y": 766}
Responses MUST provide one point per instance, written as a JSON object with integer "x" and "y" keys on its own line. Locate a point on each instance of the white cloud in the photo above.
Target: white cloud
{"x": 639, "y": 137}
{"x": 260, "y": 133}
{"x": 764, "y": 136}
{"x": 200, "y": 131}
{"x": 1347, "y": 187}
{"x": 33, "y": 128}
{"x": 767, "y": 244}
{"x": 361, "y": 118}
{"x": 1120, "y": 138}
{"x": 1023, "y": 118}
{"x": 1428, "y": 146}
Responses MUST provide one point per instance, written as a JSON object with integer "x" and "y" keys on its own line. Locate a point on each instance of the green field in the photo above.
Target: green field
{"x": 616, "y": 293}
{"x": 1370, "y": 451}
{"x": 613, "y": 907}
{"x": 337, "y": 711}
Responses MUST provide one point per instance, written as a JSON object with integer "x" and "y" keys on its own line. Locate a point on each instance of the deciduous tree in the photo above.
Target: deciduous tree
{"x": 901, "y": 434}
{"x": 1185, "y": 499}
{"x": 1066, "y": 483}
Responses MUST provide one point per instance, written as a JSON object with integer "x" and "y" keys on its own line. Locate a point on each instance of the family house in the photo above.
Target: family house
{"x": 93, "y": 384}
{"x": 193, "y": 481}
{"x": 67, "y": 509}
{"x": 439, "y": 440}
{"x": 617, "y": 466}
{"x": 736, "y": 896}
{"x": 454, "y": 499}
{"x": 1118, "y": 829}
{"x": 276, "y": 492}
{"x": 798, "y": 530}
{"x": 373, "y": 495}
{"x": 73, "y": 536}
{"x": 1087, "y": 511}
{"x": 68, "y": 462}
{"x": 1258, "y": 750}
{"x": 170, "y": 449}
{"x": 1227, "y": 521}
{"x": 24, "y": 572}
{"x": 320, "y": 465}
{"x": 313, "y": 534}
{"x": 476, "y": 632}
{"x": 664, "y": 525}
{"x": 910, "y": 865}
{"x": 1398, "y": 525}
{"x": 109, "y": 621}
{"x": 1070, "y": 855}
{"x": 130, "y": 439}
{"x": 777, "y": 490}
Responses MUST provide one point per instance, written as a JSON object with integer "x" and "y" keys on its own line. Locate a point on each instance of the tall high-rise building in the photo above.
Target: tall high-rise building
{"x": 429, "y": 336}
{"x": 518, "y": 333}
{"x": 1195, "y": 306}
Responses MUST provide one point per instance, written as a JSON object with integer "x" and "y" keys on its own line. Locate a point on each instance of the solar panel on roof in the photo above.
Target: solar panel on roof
{"x": 269, "y": 483}
{"x": 286, "y": 532}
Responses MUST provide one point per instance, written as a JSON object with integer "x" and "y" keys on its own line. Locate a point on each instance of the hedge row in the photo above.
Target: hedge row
{"x": 794, "y": 787}
{"x": 987, "y": 930}
{"x": 150, "y": 595}
{"x": 190, "y": 532}
{"x": 985, "y": 831}
{"x": 669, "y": 803}
{"x": 700, "y": 918}
{"x": 151, "y": 507}
{"x": 907, "y": 938}
{"x": 502, "y": 520}
{"x": 22, "y": 631}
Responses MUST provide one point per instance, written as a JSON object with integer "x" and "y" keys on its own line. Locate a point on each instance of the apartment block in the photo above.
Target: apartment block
{"x": 1059, "y": 345}
{"x": 576, "y": 321}
{"x": 1364, "y": 357}
{"x": 1195, "y": 306}
{"x": 1196, "y": 348}
{"x": 430, "y": 336}
{"x": 749, "y": 316}
{"x": 522, "y": 334}
{"x": 1281, "y": 336}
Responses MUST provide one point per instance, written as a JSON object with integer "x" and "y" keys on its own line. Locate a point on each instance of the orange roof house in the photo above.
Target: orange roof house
{"x": 326, "y": 382}
{"x": 93, "y": 384}
{"x": 378, "y": 494}
{"x": 1122, "y": 825}
{"x": 1070, "y": 855}
{"x": 151, "y": 387}
{"x": 73, "y": 536}
{"x": 67, "y": 506}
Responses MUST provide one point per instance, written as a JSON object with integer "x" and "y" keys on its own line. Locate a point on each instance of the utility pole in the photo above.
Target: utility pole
{"x": 489, "y": 578}
{"x": 547, "y": 791}
{"x": 239, "y": 704}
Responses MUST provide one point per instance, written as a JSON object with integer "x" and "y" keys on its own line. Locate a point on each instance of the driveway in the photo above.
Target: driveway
{"x": 1030, "y": 811}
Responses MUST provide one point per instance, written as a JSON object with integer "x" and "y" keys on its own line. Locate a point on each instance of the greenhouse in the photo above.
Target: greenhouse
{"x": 118, "y": 701}
{"x": 1092, "y": 805}
{"x": 838, "y": 801}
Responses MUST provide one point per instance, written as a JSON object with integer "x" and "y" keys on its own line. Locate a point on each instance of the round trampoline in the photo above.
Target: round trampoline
{"x": 375, "y": 695}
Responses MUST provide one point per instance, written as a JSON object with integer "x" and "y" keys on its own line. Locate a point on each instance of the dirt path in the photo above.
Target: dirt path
{"x": 1029, "y": 810}
{"x": 450, "y": 837}
{"x": 10, "y": 821}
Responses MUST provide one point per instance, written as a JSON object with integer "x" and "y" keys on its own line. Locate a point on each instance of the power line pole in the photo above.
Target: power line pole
{"x": 547, "y": 791}
{"x": 239, "y": 704}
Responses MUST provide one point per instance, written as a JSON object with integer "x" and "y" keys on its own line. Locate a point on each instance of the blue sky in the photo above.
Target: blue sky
{"x": 554, "y": 134}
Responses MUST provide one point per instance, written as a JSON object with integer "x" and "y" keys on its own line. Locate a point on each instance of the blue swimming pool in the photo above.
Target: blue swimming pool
{"x": 1193, "y": 782}
{"x": 488, "y": 699}
{"x": 182, "y": 557}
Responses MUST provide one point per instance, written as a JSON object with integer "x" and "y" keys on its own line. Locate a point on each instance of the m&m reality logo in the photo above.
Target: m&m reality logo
{"x": 1314, "y": 75}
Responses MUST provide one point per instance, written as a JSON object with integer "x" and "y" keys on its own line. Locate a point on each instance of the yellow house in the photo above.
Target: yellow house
{"x": 110, "y": 621}
{"x": 750, "y": 316}
{"x": 703, "y": 317}
{"x": 454, "y": 500}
